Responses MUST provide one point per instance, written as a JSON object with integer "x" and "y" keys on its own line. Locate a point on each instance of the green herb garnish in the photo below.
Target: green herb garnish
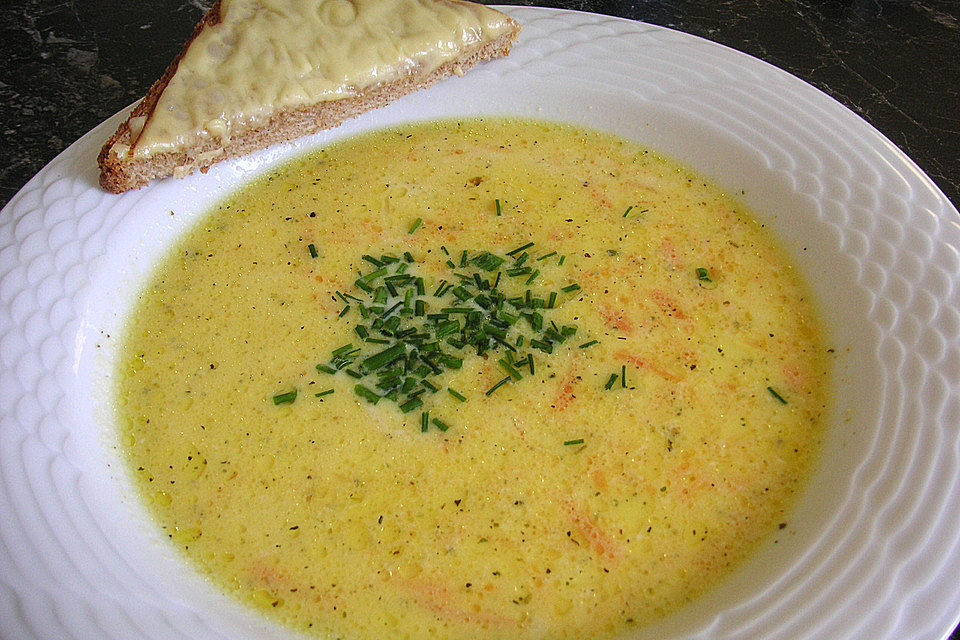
{"x": 413, "y": 333}
{"x": 704, "y": 277}
{"x": 519, "y": 249}
{"x": 366, "y": 394}
{"x": 776, "y": 395}
{"x": 285, "y": 398}
{"x": 498, "y": 385}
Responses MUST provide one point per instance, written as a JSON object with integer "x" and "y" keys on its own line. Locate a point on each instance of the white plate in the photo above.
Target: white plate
{"x": 874, "y": 546}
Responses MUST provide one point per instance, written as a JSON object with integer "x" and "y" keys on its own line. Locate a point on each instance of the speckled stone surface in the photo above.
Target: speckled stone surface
{"x": 65, "y": 66}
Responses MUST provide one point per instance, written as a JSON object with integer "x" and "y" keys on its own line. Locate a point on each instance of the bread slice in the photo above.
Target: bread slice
{"x": 151, "y": 144}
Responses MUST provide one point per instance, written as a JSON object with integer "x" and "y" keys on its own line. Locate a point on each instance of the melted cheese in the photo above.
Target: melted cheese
{"x": 343, "y": 519}
{"x": 268, "y": 55}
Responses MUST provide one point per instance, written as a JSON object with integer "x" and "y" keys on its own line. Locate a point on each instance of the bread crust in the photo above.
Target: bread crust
{"x": 120, "y": 172}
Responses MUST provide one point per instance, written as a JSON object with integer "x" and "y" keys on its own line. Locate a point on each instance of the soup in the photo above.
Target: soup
{"x": 472, "y": 379}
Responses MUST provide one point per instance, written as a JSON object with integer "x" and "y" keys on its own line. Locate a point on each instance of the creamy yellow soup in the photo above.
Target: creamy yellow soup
{"x": 611, "y": 480}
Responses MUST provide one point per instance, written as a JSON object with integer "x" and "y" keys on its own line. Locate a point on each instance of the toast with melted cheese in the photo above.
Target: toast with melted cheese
{"x": 260, "y": 72}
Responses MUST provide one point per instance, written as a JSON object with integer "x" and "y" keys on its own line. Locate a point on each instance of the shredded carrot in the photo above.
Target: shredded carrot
{"x": 601, "y": 542}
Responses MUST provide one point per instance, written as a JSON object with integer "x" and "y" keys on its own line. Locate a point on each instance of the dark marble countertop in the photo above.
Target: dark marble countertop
{"x": 66, "y": 65}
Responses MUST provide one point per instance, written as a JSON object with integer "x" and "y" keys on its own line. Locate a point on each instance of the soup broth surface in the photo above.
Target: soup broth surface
{"x": 623, "y": 472}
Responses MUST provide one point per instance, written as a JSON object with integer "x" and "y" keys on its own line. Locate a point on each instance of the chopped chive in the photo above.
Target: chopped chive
{"x": 372, "y": 261}
{"x": 503, "y": 343}
{"x": 440, "y": 424}
{"x": 285, "y": 398}
{"x": 560, "y": 262}
{"x": 380, "y": 359}
{"x": 497, "y": 203}
{"x": 440, "y": 289}
{"x": 776, "y": 395}
{"x": 456, "y": 394}
{"x": 346, "y": 297}
{"x": 339, "y": 351}
{"x": 544, "y": 257}
{"x": 312, "y": 248}
{"x": 345, "y": 311}
{"x": 366, "y": 394}
{"x": 623, "y": 377}
{"x": 570, "y": 288}
{"x": 396, "y": 305}
{"x": 487, "y": 261}
{"x": 326, "y": 369}
{"x": 415, "y": 225}
{"x": 519, "y": 249}
{"x": 498, "y": 385}
{"x": 323, "y": 393}
{"x": 552, "y": 301}
{"x": 546, "y": 347}
{"x": 510, "y": 369}
{"x": 411, "y": 404}
{"x": 424, "y": 421}
{"x": 610, "y": 381}
{"x": 589, "y": 344}
{"x": 629, "y": 209}
{"x": 462, "y": 293}
{"x": 373, "y": 275}
{"x": 533, "y": 276}
{"x": 567, "y": 443}
{"x": 704, "y": 277}
{"x": 451, "y": 362}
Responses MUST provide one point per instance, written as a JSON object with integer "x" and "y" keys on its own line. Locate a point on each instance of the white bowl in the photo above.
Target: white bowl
{"x": 873, "y": 550}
